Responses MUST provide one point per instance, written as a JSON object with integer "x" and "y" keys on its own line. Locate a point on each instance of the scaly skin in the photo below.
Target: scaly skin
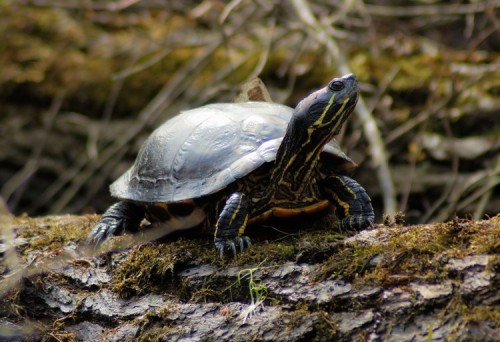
{"x": 231, "y": 225}
{"x": 120, "y": 217}
{"x": 354, "y": 207}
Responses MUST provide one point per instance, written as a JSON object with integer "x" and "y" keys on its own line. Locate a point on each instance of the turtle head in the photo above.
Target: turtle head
{"x": 315, "y": 121}
{"x": 322, "y": 114}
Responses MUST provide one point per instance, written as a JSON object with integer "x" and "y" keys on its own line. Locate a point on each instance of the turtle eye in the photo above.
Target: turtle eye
{"x": 336, "y": 85}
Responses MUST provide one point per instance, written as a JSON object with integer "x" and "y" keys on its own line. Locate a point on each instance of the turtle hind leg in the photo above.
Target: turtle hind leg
{"x": 231, "y": 225}
{"x": 120, "y": 217}
{"x": 354, "y": 207}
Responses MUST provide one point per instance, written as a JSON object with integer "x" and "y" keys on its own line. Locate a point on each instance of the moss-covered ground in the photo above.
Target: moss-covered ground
{"x": 390, "y": 256}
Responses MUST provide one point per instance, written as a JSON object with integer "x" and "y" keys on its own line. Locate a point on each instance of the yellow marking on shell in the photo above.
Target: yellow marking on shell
{"x": 289, "y": 212}
{"x": 173, "y": 222}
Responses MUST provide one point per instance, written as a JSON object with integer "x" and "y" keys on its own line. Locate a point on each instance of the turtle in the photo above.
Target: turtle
{"x": 230, "y": 165}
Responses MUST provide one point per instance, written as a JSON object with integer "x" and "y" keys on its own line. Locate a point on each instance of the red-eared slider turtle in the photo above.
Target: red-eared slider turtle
{"x": 232, "y": 164}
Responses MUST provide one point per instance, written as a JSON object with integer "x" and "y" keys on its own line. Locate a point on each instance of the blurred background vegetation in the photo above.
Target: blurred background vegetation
{"x": 83, "y": 83}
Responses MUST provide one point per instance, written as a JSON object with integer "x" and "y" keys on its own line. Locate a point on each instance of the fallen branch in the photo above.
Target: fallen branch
{"x": 430, "y": 10}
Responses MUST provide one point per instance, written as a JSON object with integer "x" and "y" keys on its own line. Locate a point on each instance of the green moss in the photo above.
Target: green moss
{"x": 484, "y": 237}
{"x": 267, "y": 253}
{"x": 156, "y": 334}
{"x": 205, "y": 295}
{"x": 154, "y": 325}
{"x": 409, "y": 251}
{"x": 324, "y": 329}
{"x": 309, "y": 245}
{"x": 482, "y": 314}
{"x": 470, "y": 313}
{"x": 53, "y": 232}
{"x": 151, "y": 266}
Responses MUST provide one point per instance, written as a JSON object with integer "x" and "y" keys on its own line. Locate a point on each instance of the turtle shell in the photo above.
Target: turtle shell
{"x": 201, "y": 151}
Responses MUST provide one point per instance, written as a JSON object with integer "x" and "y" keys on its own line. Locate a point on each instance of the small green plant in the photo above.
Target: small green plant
{"x": 257, "y": 290}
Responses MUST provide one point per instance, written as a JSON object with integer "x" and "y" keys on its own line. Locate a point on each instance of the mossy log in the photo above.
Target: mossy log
{"x": 391, "y": 283}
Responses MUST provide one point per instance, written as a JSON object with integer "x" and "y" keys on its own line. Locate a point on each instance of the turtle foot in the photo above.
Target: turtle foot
{"x": 118, "y": 218}
{"x": 105, "y": 228}
{"x": 357, "y": 222}
{"x": 234, "y": 245}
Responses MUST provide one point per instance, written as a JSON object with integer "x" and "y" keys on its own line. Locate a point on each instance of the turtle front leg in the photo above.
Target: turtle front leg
{"x": 231, "y": 225}
{"x": 120, "y": 217}
{"x": 354, "y": 207}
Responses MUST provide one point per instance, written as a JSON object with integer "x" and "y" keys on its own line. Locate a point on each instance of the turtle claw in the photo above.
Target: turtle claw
{"x": 104, "y": 229}
{"x": 357, "y": 222}
{"x": 119, "y": 217}
{"x": 229, "y": 245}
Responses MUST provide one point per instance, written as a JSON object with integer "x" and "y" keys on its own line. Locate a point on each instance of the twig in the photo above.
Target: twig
{"x": 430, "y": 10}
{"x": 94, "y": 131}
{"x": 106, "y": 116}
{"x": 383, "y": 85}
{"x": 422, "y": 117}
{"x": 78, "y": 4}
{"x": 264, "y": 56}
{"x": 451, "y": 184}
{"x": 492, "y": 178}
{"x": 228, "y": 9}
{"x": 411, "y": 173}
{"x": 485, "y": 198}
{"x": 142, "y": 66}
{"x": 19, "y": 181}
{"x": 431, "y": 112}
{"x": 370, "y": 128}
{"x": 155, "y": 108}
